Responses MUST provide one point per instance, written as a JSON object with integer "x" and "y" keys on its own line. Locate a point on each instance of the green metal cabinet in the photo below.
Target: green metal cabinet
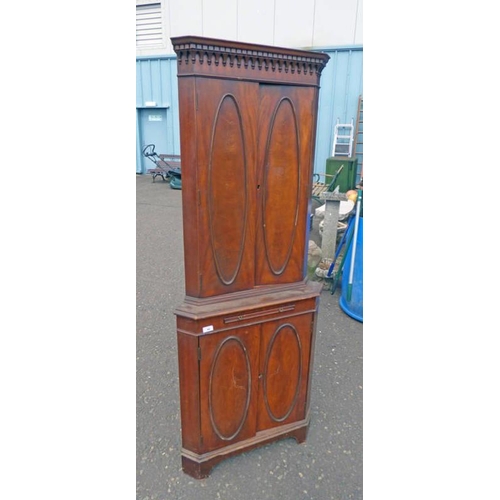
{"x": 347, "y": 178}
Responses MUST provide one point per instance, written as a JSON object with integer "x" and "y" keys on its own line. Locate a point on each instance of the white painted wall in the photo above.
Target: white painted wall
{"x": 287, "y": 23}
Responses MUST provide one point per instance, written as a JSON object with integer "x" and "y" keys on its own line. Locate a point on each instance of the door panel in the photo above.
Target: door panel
{"x": 284, "y": 366}
{"x": 228, "y": 190}
{"x": 153, "y": 123}
{"x": 226, "y": 155}
{"x": 285, "y": 147}
{"x": 281, "y": 175}
{"x": 229, "y": 383}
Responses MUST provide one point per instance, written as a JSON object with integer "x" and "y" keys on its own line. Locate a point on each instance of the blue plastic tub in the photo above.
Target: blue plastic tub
{"x": 354, "y": 307}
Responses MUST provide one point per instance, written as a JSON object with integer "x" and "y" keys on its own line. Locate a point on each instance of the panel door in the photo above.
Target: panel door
{"x": 286, "y": 132}
{"x": 153, "y": 130}
{"x": 228, "y": 386}
{"x": 226, "y": 149}
{"x": 284, "y": 371}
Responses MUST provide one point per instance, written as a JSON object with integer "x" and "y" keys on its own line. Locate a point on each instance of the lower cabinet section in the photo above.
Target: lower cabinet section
{"x": 244, "y": 377}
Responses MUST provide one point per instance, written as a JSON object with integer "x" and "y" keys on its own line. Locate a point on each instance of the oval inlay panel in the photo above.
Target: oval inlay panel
{"x": 227, "y": 190}
{"x": 229, "y": 388}
{"x": 282, "y": 372}
{"x": 281, "y": 187}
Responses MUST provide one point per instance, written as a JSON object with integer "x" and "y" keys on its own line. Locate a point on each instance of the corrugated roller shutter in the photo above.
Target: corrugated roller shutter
{"x": 148, "y": 25}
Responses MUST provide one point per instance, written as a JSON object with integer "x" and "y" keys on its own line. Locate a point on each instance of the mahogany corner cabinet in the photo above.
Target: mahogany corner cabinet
{"x": 246, "y": 327}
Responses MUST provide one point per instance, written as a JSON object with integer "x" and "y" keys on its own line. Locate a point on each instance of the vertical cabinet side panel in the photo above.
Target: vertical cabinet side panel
{"x": 313, "y": 326}
{"x": 191, "y": 227}
{"x": 187, "y": 347}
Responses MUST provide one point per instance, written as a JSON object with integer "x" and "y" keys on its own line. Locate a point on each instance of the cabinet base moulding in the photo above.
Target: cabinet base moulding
{"x": 199, "y": 466}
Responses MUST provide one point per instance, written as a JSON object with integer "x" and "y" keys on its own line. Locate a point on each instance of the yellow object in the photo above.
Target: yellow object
{"x": 352, "y": 195}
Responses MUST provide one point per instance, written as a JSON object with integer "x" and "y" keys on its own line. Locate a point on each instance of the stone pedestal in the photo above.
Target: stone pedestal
{"x": 332, "y": 205}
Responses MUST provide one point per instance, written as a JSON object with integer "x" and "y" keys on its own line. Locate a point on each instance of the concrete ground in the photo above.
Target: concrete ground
{"x": 329, "y": 465}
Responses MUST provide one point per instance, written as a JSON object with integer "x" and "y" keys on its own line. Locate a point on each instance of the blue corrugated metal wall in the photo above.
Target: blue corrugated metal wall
{"x": 156, "y": 80}
{"x": 341, "y": 86}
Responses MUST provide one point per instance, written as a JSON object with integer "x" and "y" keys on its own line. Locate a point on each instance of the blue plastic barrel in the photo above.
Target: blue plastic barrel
{"x": 354, "y": 307}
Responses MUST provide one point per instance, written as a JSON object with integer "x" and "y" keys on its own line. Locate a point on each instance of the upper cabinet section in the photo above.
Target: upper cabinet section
{"x": 225, "y": 59}
{"x": 247, "y": 128}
